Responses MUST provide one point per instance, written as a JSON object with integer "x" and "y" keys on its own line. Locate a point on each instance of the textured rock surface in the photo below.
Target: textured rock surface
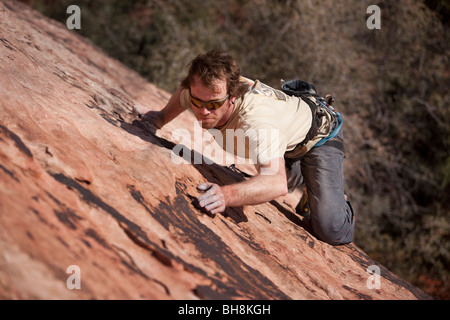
{"x": 82, "y": 183}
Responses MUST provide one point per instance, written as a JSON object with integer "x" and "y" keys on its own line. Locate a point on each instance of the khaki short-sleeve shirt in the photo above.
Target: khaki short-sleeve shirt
{"x": 264, "y": 124}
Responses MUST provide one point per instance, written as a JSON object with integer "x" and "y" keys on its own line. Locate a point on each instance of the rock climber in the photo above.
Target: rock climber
{"x": 307, "y": 149}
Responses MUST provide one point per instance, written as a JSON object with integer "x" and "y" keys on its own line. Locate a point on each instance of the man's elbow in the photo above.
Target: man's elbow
{"x": 278, "y": 183}
{"x": 283, "y": 190}
{"x": 283, "y": 185}
{"x": 277, "y": 192}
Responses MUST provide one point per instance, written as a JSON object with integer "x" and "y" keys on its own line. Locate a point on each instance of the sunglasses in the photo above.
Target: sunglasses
{"x": 210, "y": 105}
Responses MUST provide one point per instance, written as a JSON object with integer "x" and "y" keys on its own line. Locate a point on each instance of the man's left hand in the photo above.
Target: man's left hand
{"x": 213, "y": 200}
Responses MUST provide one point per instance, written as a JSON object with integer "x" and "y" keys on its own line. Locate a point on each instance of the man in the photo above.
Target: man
{"x": 223, "y": 100}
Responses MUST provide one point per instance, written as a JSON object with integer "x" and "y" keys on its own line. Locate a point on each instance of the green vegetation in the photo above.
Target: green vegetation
{"x": 391, "y": 85}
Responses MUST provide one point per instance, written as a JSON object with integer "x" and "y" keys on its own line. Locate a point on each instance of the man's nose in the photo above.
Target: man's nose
{"x": 204, "y": 111}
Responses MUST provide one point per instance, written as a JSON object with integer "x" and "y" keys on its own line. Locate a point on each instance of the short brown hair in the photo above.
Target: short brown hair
{"x": 215, "y": 65}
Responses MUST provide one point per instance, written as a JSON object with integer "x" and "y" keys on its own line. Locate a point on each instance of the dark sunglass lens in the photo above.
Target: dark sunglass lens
{"x": 209, "y": 105}
{"x": 215, "y": 105}
{"x": 196, "y": 103}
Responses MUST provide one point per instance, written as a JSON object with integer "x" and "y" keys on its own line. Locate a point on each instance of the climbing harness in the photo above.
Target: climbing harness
{"x": 326, "y": 121}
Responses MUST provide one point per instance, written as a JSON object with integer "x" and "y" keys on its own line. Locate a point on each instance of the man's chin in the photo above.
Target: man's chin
{"x": 208, "y": 124}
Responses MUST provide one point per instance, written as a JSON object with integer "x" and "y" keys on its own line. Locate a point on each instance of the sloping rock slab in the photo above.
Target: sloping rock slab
{"x": 82, "y": 183}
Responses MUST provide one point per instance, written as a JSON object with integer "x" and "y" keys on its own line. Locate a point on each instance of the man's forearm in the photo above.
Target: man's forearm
{"x": 173, "y": 108}
{"x": 257, "y": 190}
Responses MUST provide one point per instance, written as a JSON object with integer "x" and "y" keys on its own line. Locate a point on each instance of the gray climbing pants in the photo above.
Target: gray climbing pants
{"x": 321, "y": 170}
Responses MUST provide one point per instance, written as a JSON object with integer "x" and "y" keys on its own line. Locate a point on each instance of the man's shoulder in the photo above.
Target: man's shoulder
{"x": 247, "y": 81}
{"x": 264, "y": 94}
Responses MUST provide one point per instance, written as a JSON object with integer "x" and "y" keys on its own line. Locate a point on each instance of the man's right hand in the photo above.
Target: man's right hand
{"x": 158, "y": 119}
{"x": 154, "y": 117}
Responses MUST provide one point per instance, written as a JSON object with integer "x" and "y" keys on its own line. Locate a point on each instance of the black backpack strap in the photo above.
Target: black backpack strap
{"x": 304, "y": 90}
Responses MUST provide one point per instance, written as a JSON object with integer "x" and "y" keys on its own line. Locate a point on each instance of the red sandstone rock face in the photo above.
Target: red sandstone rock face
{"x": 83, "y": 183}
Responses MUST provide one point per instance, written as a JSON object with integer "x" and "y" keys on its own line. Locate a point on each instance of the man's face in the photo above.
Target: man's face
{"x": 211, "y": 118}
